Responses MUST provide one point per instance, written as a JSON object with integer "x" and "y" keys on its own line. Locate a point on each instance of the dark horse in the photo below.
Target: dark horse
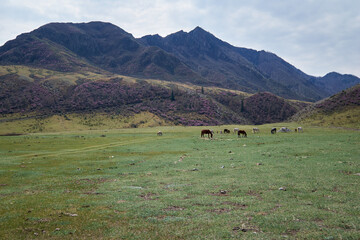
{"x": 273, "y": 130}
{"x": 242, "y": 133}
{"x": 206, "y": 131}
{"x": 226, "y": 130}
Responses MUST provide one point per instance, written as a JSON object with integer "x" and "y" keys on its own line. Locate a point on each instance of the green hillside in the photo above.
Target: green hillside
{"x": 339, "y": 110}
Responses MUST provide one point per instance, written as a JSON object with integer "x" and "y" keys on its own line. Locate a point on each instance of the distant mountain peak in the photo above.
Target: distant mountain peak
{"x": 198, "y": 29}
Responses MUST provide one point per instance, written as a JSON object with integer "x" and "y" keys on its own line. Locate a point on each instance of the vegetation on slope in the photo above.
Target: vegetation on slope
{"x": 341, "y": 110}
{"x": 29, "y": 91}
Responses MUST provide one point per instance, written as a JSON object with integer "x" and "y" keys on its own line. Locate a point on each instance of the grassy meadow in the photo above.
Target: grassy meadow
{"x": 132, "y": 184}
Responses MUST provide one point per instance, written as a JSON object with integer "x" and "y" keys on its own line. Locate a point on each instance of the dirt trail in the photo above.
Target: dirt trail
{"x": 88, "y": 148}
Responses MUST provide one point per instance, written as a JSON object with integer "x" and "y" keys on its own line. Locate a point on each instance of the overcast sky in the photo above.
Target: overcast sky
{"x": 316, "y": 36}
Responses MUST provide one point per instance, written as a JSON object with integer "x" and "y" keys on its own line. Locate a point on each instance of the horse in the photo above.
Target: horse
{"x": 226, "y": 130}
{"x": 242, "y": 133}
{"x": 299, "y": 129}
{"x": 159, "y": 133}
{"x": 273, "y": 130}
{"x": 206, "y": 131}
{"x": 256, "y": 130}
{"x": 236, "y": 130}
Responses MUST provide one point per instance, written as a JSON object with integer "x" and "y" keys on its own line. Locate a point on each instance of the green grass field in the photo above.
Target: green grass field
{"x": 132, "y": 184}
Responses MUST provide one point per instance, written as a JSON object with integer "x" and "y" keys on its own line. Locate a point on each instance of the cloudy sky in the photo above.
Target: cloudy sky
{"x": 316, "y": 36}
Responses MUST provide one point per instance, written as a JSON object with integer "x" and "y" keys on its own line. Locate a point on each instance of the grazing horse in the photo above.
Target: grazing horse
{"x": 159, "y": 133}
{"x": 256, "y": 130}
{"x": 206, "y": 131}
{"x": 226, "y": 130}
{"x": 242, "y": 133}
{"x": 236, "y": 130}
{"x": 299, "y": 129}
{"x": 273, "y": 130}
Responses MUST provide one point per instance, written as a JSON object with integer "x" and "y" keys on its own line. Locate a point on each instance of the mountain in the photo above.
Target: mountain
{"x": 341, "y": 110}
{"x": 241, "y": 68}
{"x": 333, "y": 82}
{"x": 71, "y": 47}
{"x": 215, "y": 60}
{"x": 196, "y": 57}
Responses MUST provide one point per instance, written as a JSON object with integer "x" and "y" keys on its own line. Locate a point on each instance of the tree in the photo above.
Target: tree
{"x": 242, "y": 106}
{"x": 172, "y": 98}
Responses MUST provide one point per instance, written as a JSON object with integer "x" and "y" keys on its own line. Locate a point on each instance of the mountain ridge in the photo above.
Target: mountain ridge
{"x": 197, "y": 57}
{"x": 271, "y": 73}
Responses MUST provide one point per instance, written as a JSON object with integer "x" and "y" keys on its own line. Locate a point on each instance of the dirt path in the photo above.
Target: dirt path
{"x": 88, "y": 148}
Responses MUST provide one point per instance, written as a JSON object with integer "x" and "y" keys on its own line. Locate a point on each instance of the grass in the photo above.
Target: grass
{"x": 77, "y": 122}
{"x": 348, "y": 117}
{"x": 132, "y": 184}
{"x": 39, "y": 74}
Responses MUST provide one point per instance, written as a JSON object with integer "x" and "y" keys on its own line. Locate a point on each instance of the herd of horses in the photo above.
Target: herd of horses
{"x": 242, "y": 133}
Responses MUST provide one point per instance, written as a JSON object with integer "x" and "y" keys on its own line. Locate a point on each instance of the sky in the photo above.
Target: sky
{"x": 316, "y": 36}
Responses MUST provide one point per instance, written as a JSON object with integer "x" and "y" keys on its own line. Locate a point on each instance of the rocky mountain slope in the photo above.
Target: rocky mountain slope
{"x": 196, "y": 57}
{"x": 246, "y": 69}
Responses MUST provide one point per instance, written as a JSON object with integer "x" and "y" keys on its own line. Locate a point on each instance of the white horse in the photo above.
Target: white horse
{"x": 256, "y": 130}
{"x": 236, "y": 130}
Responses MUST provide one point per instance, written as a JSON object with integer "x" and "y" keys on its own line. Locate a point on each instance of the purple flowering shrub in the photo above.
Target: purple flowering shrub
{"x": 349, "y": 97}
{"x": 267, "y": 108}
{"x": 174, "y": 105}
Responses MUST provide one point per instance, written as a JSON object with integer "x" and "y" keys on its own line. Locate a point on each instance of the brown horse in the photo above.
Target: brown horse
{"x": 206, "y": 131}
{"x": 226, "y": 130}
{"x": 242, "y": 133}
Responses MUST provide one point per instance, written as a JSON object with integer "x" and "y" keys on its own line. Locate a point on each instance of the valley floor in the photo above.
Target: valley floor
{"x": 133, "y": 184}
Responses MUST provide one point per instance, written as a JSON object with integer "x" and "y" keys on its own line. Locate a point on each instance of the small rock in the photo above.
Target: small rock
{"x": 357, "y": 174}
{"x": 230, "y": 151}
{"x": 222, "y": 191}
{"x": 71, "y": 214}
{"x": 222, "y": 166}
{"x": 57, "y": 229}
{"x": 282, "y": 188}
{"x": 244, "y": 145}
{"x": 36, "y": 234}
{"x": 195, "y": 169}
{"x": 258, "y": 164}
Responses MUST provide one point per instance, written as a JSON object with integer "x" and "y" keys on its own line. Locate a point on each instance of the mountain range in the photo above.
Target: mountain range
{"x": 196, "y": 57}
{"x": 185, "y": 78}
